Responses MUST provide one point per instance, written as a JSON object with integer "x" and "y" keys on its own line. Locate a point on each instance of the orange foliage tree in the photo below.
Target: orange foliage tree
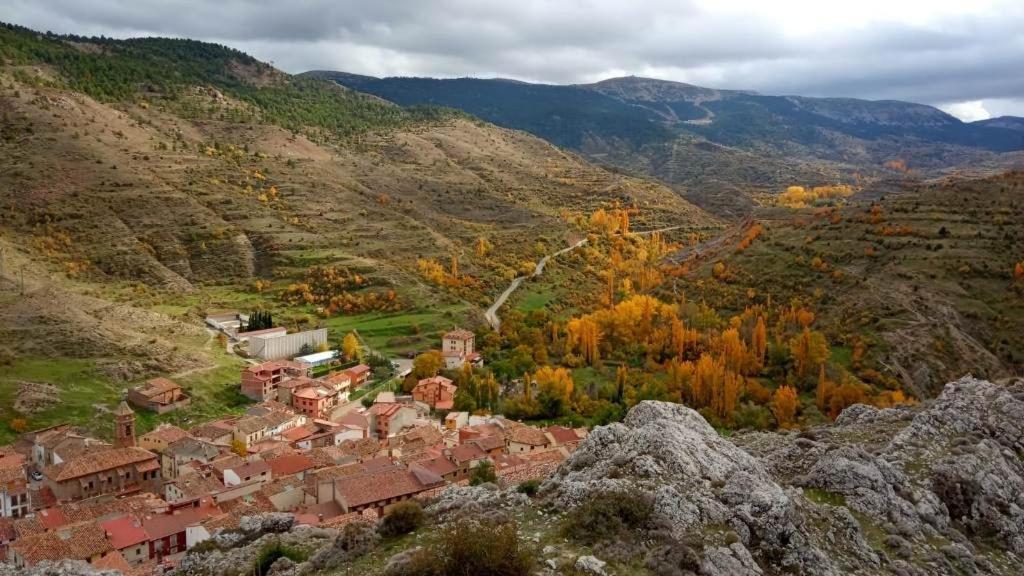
{"x": 784, "y": 403}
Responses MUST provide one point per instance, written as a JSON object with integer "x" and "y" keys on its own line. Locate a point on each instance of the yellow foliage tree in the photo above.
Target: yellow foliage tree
{"x": 483, "y": 247}
{"x": 427, "y": 364}
{"x": 784, "y": 403}
{"x": 759, "y": 341}
{"x": 555, "y": 382}
{"x": 350, "y": 346}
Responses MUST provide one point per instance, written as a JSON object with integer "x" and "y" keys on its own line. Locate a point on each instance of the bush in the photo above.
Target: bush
{"x": 403, "y": 518}
{"x": 528, "y": 487}
{"x": 483, "y": 474}
{"x": 614, "y": 515}
{"x": 750, "y": 415}
{"x": 469, "y": 548}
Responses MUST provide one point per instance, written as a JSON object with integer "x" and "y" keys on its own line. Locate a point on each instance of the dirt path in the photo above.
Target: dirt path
{"x": 492, "y": 313}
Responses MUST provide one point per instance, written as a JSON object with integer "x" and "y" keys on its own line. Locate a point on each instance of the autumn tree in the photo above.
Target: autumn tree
{"x": 427, "y": 365}
{"x": 350, "y": 346}
{"x": 1018, "y": 271}
{"x": 759, "y": 341}
{"x": 784, "y": 403}
{"x": 483, "y": 247}
{"x": 555, "y": 383}
{"x": 585, "y": 336}
{"x": 809, "y": 349}
{"x": 239, "y": 448}
{"x": 823, "y": 391}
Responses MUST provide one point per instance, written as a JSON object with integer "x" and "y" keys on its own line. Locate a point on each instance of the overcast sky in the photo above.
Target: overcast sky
{"x": 966, "y": 56}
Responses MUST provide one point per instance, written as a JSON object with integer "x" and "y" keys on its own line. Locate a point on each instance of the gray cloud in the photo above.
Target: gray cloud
{"x": 938, "y": 51}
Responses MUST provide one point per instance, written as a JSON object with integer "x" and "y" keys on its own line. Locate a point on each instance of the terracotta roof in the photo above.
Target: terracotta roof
{"x": 467, "y": 452}
{"x": 439, "y": 380}
{"x": 487, "y": 443}
{"x": 391, "y": 482}
{"x": 337, "y": 379}
{"x": 523, "y": 434}
{"x": 197, "y": 485}
{"x": 250, "y": 469}
{"x": 229, "y": 460}
{"x": 361, "y": 447}
{"x": 439, "y": 466}
{"x": 163, "y": 525}
{"x": 299, "y": 432}
{"x": 193, "y": 448}
{"x": 113, "y": 561}
{"x": 77, "y": 542}
{"x": 124, "y": 532}
{"x": 249, "y": 424}
{"x": 211, "y": 431}
{"x": 354, "y": 418}
{"x": 9, "y": 459}
{"x": 563, "y": 435}
{"x": 459, "y": 334}
{"x": 97, "y": 462}
{"x": 357, "y": 370}
{"x": 52, "y": 518}
{"x": 290, "y": 464}
{"x": 166, "y": 433}
{"x": 157, "y": 386}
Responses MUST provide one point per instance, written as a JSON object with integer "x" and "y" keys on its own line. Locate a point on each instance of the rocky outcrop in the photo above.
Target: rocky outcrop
{"x": 932, "y": 489}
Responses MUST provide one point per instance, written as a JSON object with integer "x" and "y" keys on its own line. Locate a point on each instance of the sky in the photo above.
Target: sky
{"x": 965, "y": 56}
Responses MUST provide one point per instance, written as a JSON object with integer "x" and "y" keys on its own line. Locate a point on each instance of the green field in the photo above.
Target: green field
{"x": 398, "y": 332}
{"x": 85, "y": 396}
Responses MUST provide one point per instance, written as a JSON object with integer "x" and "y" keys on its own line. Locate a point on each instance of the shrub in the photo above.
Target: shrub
{"x": 528, "y": 487}
{"x": 404, "y": 518}
{"x": 483, "y": 474}
{"x": 469, "y": 548}
{"x": 609, "y": 515}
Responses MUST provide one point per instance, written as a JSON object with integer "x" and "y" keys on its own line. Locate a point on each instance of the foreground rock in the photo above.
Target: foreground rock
{"x": 934, "y": 489}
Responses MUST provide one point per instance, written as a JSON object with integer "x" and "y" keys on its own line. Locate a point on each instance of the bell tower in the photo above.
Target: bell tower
{"x": 124, "y": 425}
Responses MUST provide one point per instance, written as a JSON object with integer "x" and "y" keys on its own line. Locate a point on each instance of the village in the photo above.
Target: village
{"x": 304, "y": 446}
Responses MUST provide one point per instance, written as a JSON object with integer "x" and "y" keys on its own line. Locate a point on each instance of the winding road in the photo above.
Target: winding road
{"x": 491, "y": 315}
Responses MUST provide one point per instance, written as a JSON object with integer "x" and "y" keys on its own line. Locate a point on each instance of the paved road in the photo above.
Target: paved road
{"x": 492, "y": 313}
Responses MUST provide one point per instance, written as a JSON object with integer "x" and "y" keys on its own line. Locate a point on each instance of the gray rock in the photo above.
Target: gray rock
{"x": 591, "y": 565}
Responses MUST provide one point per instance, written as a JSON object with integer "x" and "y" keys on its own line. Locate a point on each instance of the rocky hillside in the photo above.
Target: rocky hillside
{"x": 696, "y": 139}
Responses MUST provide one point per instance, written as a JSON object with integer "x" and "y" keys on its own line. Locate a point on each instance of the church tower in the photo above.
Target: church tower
{"x": 124, "y": 425}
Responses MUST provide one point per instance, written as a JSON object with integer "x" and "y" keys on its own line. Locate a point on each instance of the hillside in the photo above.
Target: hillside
{"x": 919, "y": 281}
{"x": 664, "y": 129}
{"x": 144, "y": 182}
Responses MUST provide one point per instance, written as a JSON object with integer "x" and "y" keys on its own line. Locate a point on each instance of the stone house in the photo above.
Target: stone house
{"x": 115, "y": 471}
{"x": 159, "y": 395}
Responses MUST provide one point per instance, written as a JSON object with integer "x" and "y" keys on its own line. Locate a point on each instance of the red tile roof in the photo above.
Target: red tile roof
{"x": 124, "y": 532}
{"x": 467, "y": 452}
{"x": 52, "y": 518}
{"x": 250, "y": 469}
{"x": 563, "y": 435}
{"x": 97, "y": 461}
{"x": 76, "y": 542}
{"x": 166, "y": 433}
{"x": 290, "y": 464}
{"x": 439, "y": 466}
{"x": 384, "y": 484}
{"x": 157, "y": 386}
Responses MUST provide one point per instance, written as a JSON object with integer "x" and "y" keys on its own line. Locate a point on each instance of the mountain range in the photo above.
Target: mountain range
{"x": 720, "y": 147}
